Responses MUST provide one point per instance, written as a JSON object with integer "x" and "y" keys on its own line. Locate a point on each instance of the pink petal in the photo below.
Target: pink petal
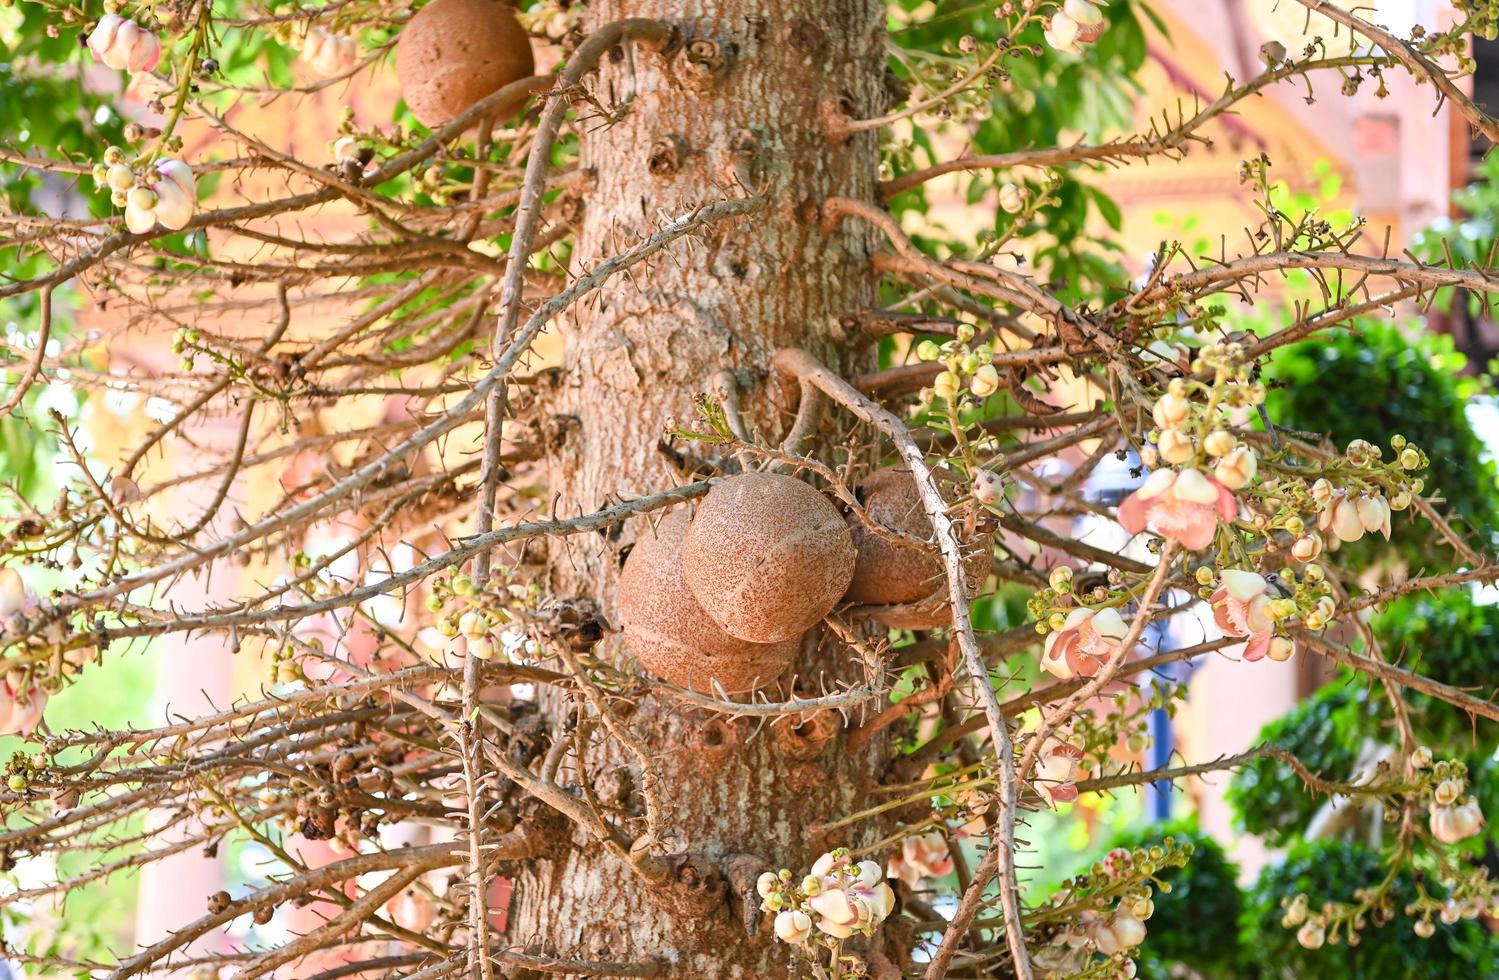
{"x": 1257, "y": 647}
{"x": 1132, "y": 513}
{"x": 1197, "y": 533}
{"x": 1221, "y": 616}
{"x": 1066, "y": 644}
{"x": 834, "y": 906}
{"x": 1228, "y": 506}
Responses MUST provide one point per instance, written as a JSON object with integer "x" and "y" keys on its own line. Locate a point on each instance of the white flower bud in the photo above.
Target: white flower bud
{"x": 985, "y": 381}
{"x": 1311, "y": 935}
{"x": 988, "y": 488}
{"x": 1171, "y": 410}
{"x": 1175, "y": 446}
{"x": 1219, "y": 443}
{"x": 1307, "y": 547}
{"x": 1062, "y": 33}
{"x": 1011, "y": 199}
{"x": 1236, "y": 469}
{"x": 766, "y": 883}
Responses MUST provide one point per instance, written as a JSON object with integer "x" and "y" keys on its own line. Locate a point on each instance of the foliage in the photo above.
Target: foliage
{"x": 1450, "y": 636}
{"x": 1332, "y": 871}
{"x": 1041, "y": 98}
{"x": 1380, "y": 378}
{"x": 1325, "y": 732}
{"x": 1469, "y": 240}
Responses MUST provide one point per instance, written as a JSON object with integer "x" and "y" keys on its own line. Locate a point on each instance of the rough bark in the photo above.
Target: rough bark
{"x": 730, "y": 108}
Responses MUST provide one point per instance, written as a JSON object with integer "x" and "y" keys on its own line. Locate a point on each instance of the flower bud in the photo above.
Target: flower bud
{"x": 1236, "y": 469}
{"x": 928, "y": 350}
{"x": 1061, "y": 578}
{"x": 766, "y": 883}
{"x": 945, "y": 386}
{"x": 1311, "y": 935}
{"x": 1011, "y": 199}
{"x": 1175, "y": 446}
{"x": 1171, "y": 410}
{"x": 1281, "y": 649}
{"x": 1219, "y": 443}
{"x": 120, "y": 177}
{"x": 985, "y": 381}
{"x": 988, "y": 488}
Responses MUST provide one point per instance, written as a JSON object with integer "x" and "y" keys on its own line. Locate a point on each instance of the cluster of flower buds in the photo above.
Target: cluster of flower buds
{"x": 1454, "y": 817}
{"x": 921, "y": 857}
{"x": 484, "y": 623}
{"x": 838, "y": 898}
{"x": 165, "y": 194}
{"x": 1117, "y": 893}
{"x": 966, "y": 367}
{"x": 329, "y": 54}
{"x": 1079, "y": 22}
{"x": 24, "y": 690}
{"x": 1351, "y": 516}
{"x": 1311, "y": 930}
{"x": 122, "y": 44}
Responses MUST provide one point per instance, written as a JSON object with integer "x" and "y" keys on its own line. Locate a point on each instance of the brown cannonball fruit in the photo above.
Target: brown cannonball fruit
{"x": 455, "y": 52}
{"x": 767, "y": 556}
{"x": 670, "y": 635}
{"x": 891, "y": 572}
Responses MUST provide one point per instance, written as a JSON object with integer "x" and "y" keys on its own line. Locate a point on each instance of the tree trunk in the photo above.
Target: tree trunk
{"x": 730, "y": 108}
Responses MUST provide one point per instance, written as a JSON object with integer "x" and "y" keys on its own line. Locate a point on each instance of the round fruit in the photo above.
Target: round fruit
{"x": 455, "y": 52}
{"x": 670, "y": 635}
{"x": 767, "y": 556}
{"x": 891, "y": 571}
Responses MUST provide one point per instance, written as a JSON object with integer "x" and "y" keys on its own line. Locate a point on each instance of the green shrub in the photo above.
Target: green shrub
{"x": 1325, "y": 732}
{"x": 1332, "y": 871}
{"x": 1378, "y": 379}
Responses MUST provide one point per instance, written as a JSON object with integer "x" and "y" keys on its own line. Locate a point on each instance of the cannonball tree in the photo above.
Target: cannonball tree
{"x": 578, "y": 624}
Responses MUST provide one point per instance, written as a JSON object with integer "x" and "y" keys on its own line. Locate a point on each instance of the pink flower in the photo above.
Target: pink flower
{"x": 852, "y": 897}
{"x": 168, "y": 199}
{"x": 1241, "y": 607}
{"x": 20, "y": 710}
{"x": 1117, "y": 862}
{"x": 1056, "y": 771}
{"x": 1184, "y": 506}
{"x": 1082, "y": 646}
{"x": 923, "y": 856}
{"x": 124, "y": 45}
